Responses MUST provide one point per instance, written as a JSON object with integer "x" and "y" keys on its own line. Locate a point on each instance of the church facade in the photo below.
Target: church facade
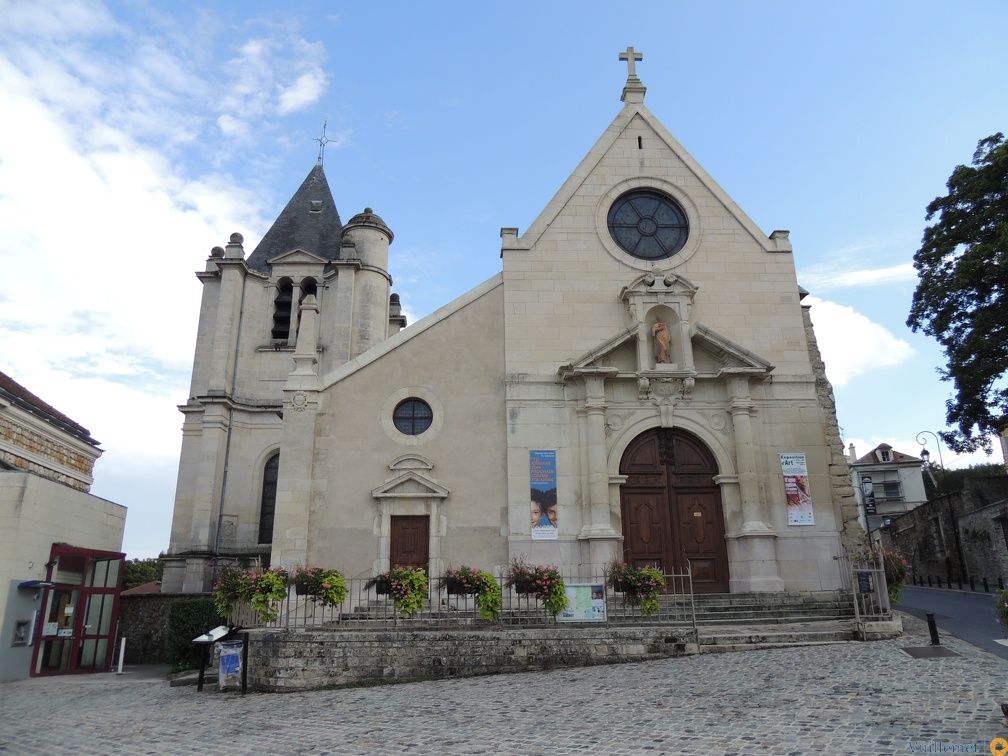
{"x": 639, "y": 382}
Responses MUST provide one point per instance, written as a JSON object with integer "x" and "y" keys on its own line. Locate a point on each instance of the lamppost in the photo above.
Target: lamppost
{"x": 926, "y": 458}
{"x": 925, "y": 455}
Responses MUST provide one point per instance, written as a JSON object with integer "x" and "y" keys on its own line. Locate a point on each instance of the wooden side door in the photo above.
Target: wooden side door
{"x": 410, "y": 541}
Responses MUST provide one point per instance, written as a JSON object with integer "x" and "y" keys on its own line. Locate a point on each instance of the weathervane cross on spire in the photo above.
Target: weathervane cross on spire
{"x": 323, "y": 141}
{"x": 631, "y": 57}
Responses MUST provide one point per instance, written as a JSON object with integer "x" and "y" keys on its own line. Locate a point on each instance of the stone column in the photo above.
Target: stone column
{"x": 603, "y": 541}
{"x": 297, "y": 450}
{"x": 752, "y": 551}
{"x": 741, "y": 408}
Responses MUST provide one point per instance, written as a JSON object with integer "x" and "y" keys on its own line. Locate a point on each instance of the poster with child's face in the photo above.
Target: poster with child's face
{"x": 543, "y": 496}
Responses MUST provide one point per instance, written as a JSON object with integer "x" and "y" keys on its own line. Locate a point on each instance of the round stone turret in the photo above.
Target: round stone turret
{"x": 369, "y": 238}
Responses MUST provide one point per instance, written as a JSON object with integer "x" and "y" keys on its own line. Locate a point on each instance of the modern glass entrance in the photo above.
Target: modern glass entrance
{"x": 76, "y": 631}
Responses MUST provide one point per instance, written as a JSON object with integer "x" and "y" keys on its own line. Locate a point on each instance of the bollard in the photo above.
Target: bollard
{"x": 933, "y": 629}
{"x": 986, "y": 586}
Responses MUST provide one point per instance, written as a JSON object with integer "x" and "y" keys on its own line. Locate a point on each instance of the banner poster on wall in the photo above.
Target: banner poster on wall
{"x": 796, "y": 489}
{"x": 542, "y": 474}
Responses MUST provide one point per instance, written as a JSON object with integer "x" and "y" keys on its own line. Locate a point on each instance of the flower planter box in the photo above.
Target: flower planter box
{"x": 458, "y": 588}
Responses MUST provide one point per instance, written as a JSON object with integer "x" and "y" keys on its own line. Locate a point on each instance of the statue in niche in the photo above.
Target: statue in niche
{"x": 662, "y": 342}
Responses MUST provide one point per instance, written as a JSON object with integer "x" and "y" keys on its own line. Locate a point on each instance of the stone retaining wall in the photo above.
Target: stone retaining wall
{"x": 287, "y": 661}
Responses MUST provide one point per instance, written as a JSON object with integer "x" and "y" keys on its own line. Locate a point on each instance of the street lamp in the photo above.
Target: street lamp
{"x": 925, "y": 455}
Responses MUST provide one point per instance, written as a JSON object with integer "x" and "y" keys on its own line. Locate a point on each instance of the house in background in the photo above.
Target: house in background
{"x": 60, "y": 547}
{"x": 888, "y": 483}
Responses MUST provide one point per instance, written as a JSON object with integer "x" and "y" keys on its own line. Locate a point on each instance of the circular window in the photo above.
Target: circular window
{"x": 648, "y": 225}
{"x": 412, "y": 416}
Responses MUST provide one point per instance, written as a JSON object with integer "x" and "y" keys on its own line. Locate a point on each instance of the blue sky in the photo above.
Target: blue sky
{"x": 137, "y": 135}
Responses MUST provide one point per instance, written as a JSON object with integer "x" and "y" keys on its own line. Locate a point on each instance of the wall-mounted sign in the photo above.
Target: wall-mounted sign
{"x": 543, "y": 496}
{"x": 796, "y": 490}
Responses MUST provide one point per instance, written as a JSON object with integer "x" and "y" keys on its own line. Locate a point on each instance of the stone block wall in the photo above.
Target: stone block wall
{"x": 48, "y": 449}
{"x": 287, "y": 661}
{"x": 959, "y": 535}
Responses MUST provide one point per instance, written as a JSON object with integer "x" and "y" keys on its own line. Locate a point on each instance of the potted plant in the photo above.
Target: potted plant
{"x": 263, "y": 589}
{"x": 468, "y": 581}
{"x": 407, "y": 587}
{"x": 639, "y": 585}
{"x": 326, "y": 587}
{"x": 896, "y": 571}
{"x": 232, "y": 588}
{"x": 543, "y": 582}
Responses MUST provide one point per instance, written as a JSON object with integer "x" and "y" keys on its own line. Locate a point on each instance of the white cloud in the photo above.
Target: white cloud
{"x": 824, "y": 279}
{"x": 851, "y": 344}
{"x": 306, "y": 90}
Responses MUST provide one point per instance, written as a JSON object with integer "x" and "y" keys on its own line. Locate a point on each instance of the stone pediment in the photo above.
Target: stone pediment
{"x": 713, "y": 353}
{"x": 598, "y": 357}
{"x": 296, "y": 256}
{"x": 727, "y": 356}
{"x": 412, "y": 485}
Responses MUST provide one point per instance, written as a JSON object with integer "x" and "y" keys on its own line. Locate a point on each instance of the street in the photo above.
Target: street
{"x": 964, "y": 614}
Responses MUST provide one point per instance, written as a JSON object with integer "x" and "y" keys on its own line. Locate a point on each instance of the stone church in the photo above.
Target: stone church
{"x": 639, "y": 382}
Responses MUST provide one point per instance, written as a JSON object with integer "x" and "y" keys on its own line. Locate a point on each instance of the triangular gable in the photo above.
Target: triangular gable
{"x": 588, "y": 359}
{"x": 410, "y": 485}
{"x": 623, "y": 120}
{"x": 414, "y": 330}
{"x": 296, "y": 256}
{"x": 731, "y": 356}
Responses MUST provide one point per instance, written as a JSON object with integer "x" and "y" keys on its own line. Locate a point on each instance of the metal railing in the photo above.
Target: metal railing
{"x": 975, "y": 584}
{"x": 365, "y": 608}
{"x": 864, "y": 576}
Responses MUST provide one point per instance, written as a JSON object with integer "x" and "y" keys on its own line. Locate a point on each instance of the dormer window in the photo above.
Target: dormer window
{"x": 886, "y": 455}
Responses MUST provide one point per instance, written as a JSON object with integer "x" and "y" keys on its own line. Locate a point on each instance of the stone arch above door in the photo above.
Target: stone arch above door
{"x": 671, "y": 508}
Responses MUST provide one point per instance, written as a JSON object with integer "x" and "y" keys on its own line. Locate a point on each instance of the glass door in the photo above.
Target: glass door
{"x": 77, "y": 632}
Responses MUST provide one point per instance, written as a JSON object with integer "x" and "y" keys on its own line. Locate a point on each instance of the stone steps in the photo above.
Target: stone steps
{"x": 716, "y": 639}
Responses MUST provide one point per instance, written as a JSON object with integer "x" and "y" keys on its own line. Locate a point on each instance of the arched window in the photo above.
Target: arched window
{"x": 282, "y": 310}
{"x": 267, "y": 506}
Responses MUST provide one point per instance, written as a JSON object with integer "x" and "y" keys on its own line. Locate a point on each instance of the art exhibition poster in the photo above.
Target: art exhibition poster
{"x": 796, "y": 489}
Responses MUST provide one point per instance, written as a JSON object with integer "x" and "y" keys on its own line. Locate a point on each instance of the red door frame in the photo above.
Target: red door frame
{"x": 84, "y": 594}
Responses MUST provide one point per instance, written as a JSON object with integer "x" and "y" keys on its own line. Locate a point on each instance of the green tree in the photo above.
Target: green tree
{"x": 938, "y": 482}
{"x": 960, "y": 299}
{"x": 139, "y": 571}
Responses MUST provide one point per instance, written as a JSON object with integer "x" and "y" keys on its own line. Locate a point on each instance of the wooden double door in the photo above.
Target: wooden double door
{"x": 671, "y": 508}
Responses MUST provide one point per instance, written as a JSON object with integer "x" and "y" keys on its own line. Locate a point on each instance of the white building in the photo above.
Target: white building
{"x": 60, "y": 560}
{"x": 319, "y": 429}
{"x": 888, "y": 483}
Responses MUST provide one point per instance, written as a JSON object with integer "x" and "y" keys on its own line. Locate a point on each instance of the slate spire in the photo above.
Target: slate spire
{"x": 310, "y": 222}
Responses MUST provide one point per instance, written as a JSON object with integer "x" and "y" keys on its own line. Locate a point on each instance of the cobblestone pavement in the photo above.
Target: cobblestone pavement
{"x": 847, "y": 698}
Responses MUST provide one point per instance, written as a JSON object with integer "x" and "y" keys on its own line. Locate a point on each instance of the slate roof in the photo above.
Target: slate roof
{"x": 26, "y": 400}
{"x": 310, "y": 222}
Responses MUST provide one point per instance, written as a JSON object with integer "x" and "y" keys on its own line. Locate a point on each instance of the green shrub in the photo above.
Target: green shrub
{"x": 188, "y": 618}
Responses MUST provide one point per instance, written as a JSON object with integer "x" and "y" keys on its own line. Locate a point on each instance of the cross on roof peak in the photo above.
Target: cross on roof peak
{"x": 631, "y": 57}
{"x": 323, "y": 141}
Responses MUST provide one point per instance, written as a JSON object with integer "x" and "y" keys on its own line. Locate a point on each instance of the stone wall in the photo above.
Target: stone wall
{"x": 957, "y": 535}
{"x": 853, "y": 535}
{"x": 143, "y": 621}
{"x": 286, "y": 661}
{"x": 47, "y": 448}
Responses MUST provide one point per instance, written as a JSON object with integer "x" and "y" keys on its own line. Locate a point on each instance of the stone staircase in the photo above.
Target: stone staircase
{"x": 738, "y": 622}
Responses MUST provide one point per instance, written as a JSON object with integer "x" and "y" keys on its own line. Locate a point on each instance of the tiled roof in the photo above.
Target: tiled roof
{"x": 874, "y": 457}
{"x": 25, "y": 399}
{"x": 310, "y": 222}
